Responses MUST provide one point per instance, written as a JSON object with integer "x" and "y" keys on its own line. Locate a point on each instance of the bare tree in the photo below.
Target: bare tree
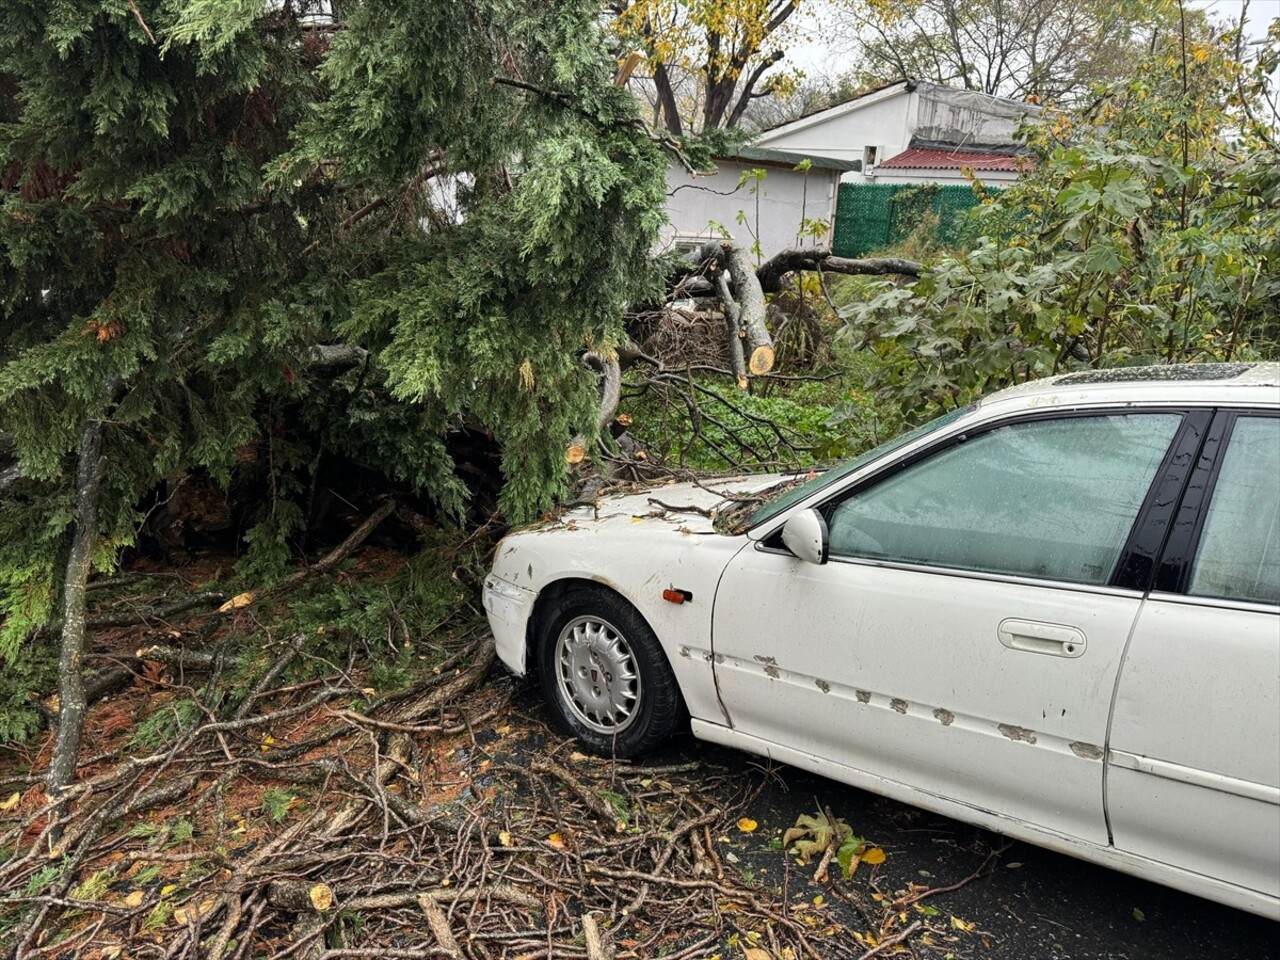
{"x": 1040, "y": 50}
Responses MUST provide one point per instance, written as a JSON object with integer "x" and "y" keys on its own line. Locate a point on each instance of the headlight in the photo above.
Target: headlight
{"x": 500, "y": 588}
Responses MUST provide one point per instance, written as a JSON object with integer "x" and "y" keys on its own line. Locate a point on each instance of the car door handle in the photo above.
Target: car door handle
{"x": 1031, "y": 636}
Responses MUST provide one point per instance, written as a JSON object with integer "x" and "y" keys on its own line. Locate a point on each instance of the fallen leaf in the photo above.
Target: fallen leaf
{"x": 11, "y": 802}
{"x": 1139, "y": 915}
{"x": 755, "y": 953}
{"x": 747, "y": 825}
{"x": 182, "y": 913}
{"x": 168, "y": 889}
{"x": 961, "y": 925}
{"x": 504, "y": 838}
{"x": 502, "y": 731}
{"x": 236, "y": 602}
{"x": 873, "y": 856}
{"x": 135, "y": 899}
{"x": 556, "y": 841}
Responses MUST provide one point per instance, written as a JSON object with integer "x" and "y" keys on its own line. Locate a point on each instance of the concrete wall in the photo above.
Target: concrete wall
{"x": 785, "y": 196}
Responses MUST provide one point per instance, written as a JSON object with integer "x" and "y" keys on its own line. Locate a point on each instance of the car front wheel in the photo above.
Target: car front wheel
{"x": 605, "y": 676}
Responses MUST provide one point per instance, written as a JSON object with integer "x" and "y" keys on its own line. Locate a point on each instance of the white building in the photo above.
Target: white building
{"x": 777, "y": 198}
{"x": 912, "y": 131}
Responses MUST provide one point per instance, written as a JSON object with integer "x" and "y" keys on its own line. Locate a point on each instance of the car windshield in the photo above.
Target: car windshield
{"x": 767, "y": 511}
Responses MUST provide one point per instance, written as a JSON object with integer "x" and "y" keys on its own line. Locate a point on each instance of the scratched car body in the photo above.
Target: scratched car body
{"x": 1054, "y": 614}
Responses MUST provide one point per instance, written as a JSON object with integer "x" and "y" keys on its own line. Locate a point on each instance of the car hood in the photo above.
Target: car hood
{"x": 687, "y": 507}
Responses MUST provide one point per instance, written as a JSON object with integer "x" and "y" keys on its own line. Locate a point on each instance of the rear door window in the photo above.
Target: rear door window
{"x": 1238, "y": 557}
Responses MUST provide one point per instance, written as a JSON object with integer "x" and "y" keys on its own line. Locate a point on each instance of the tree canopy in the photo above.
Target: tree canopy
{"x": 237, "y": 237}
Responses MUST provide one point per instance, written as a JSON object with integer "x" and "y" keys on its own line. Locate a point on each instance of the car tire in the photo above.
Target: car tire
{"x": 605, "y": 676}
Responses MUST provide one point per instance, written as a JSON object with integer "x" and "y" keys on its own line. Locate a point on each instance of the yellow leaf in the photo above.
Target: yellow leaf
{"x": 556, "y": 841}
{"x": 168, "y": 889}
{"x": 961, "y": 925}
{"x": 873, "y": 856}
{"x": 182, "y": 913}
{"x": 747, "y": 825}
{"x": 504, "y": 838}
{"x": 236, "y": 602}
{"x": 502, "y": 731}
{"x": 135, "y": 899}
{"x": 755, "y": 953}
{"x": 819, "y": 900}
{"x": 11, "y": 802}
{"x": 267, "y": 742}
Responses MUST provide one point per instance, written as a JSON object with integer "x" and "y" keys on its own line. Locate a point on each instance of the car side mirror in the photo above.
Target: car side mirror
{"x": 806, "y": 535}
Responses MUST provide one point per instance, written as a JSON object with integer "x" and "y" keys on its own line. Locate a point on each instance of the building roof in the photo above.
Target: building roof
{"x": 787, "y": 158}
{"x": 917, "y": 159}
{"x": 945, "y": 96}
{"x": 839, "y": 109}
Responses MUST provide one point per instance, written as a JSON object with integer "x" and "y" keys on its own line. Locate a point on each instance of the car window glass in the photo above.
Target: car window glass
{"x": 1048, "y": 498}
{"x": 774, "y": 507}
{"x": 1239, "y": 553}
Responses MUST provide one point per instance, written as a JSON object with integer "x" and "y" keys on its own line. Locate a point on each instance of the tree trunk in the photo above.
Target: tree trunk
{"x": 71, "y": 693}
{"x": 745, "y": 306}
{"x": 609, "y": 373}
{"x": 667, "y": 100}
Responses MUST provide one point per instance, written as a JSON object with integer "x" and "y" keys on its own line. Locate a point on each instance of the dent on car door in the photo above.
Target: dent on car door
{"x": 1193, "y": 773}
{"x": 966, "y": 636}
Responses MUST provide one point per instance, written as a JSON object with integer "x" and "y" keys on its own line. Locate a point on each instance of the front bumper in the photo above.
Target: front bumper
{"x": 509, "y": 608}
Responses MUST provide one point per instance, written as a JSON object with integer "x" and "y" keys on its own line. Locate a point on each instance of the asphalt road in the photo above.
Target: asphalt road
{"x": 1032, "y": 905}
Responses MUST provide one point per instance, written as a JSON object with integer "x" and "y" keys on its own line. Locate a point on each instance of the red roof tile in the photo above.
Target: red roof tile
{"x": 914, "y": 159}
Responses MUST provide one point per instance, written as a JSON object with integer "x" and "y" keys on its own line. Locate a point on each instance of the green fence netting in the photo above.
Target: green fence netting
{"x": 874, "y": 215}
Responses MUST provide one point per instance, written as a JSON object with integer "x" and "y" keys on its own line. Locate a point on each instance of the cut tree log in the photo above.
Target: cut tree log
{"x": 301, "y": 896}
{"x": 609, "y": 375}
{"x": 597, "y": 941}
{"x": 746, "y": 297}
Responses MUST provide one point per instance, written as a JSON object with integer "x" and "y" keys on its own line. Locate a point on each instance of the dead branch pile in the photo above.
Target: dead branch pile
{"x": 392, "y": 851}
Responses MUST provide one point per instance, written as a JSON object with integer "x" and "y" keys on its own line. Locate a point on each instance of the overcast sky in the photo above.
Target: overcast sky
{"x": 823, "y": 53}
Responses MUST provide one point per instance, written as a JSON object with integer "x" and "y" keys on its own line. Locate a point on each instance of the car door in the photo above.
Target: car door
{"x": 1193, "y": 769}
{"x": 966, "y": 634}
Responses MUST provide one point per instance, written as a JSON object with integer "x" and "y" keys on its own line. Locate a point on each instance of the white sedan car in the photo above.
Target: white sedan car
{"x": 1054, "y": 614}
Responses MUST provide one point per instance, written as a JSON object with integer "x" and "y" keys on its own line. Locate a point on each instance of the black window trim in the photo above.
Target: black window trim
{"x": 1136, "y": 567}
{"x": 1183, "y": 436}
{"x": 1173, "y": 573}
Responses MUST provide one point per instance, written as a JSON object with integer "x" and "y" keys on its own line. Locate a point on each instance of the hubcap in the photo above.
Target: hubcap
{"x": 598, "y": 674}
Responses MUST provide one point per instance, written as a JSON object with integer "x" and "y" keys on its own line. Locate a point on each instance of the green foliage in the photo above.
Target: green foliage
{"x": 196, "y": 193}
{"x": 44, "y": 877}
{"x": 1146, "y": 233}
{"x": 275, "y": 803}
{"x": 159, "y": 728}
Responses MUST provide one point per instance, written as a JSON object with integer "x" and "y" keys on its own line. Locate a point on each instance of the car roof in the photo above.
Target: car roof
{"x": 1251, "y": 383}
